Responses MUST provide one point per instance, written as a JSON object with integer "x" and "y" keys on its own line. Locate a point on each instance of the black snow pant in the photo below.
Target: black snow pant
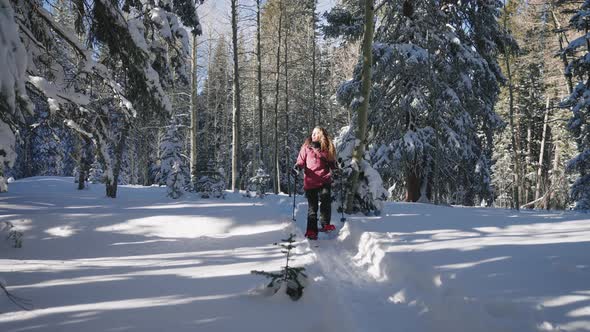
{"x": 324, "y": 198}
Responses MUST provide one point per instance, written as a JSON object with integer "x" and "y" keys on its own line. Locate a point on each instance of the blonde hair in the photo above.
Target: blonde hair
{"x": 325, "y": 143}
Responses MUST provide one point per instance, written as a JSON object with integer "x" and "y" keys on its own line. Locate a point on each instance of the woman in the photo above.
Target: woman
{"x": 317, "y": 158}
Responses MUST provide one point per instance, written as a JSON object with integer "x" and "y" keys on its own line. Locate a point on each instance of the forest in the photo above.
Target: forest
{"x": 453, "y": 102}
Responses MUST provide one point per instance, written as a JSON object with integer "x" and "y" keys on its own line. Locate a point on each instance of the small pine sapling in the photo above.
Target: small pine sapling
{"x": 13, "y": 235}
{"x": 258, "y": 184}
{"x": 96, "y": 173}
{"x": 292, "y": 277}
{"x": 211, "y": 185}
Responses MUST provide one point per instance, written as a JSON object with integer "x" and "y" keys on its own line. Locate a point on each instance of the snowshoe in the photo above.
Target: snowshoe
{"x": 327, "y": 228}
{"x": 311, "y": 235}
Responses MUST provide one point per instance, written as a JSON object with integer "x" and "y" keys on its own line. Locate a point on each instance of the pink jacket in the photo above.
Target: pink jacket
{"x": 316, "y": 165}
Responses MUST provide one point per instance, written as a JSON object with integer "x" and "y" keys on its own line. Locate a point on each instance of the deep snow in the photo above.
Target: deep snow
{"x": 145, "y": 262}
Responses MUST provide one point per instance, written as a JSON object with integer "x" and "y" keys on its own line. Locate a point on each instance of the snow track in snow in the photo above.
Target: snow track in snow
{"x": 353, "y": 287}
{"x": 383, "y": 280}
{"x": 355, "y": 293}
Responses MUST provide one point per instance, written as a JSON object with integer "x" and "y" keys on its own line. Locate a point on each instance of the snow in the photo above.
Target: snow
{"x": 413, "y": 53}
{"x": 160, "y": 17}
{"x": 145, "y": 262}
{"x": 7, "y": 145}
{"x": 55, "y": 97}
{"x": 72, "y": 124}
{"x": 13, "y": 58}
{"x": 137, "y": 31}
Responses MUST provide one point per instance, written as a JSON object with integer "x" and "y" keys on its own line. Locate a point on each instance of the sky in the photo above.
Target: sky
{"x": 215, "y": 14}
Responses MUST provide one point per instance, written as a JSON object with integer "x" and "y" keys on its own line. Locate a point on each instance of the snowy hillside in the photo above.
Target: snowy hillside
{"x": 144, "y": 262}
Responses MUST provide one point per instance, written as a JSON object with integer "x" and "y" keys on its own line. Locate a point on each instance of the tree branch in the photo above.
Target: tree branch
{"x": 20, "y": 302}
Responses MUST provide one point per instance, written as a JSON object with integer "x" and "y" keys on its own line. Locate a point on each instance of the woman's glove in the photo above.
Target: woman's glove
{"x": 295, "y": 170}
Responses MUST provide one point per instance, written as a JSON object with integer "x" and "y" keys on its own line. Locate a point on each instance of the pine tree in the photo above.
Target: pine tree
{"x": 170, "y": 152}
{"x": 175, "y": 181}
{"x": 137, "y": 49}
{"x": 7, "y": 152}
{"x": 14, "y": 103}
{"x": 541, "y": 143}
{"x": 96, "y": 173}
{"x": 435, "y": 84}
{"x": 579, "y": 124}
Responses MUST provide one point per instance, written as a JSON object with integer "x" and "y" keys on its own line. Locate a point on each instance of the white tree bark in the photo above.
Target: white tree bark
{"x": 194, "y": 124}
{"x": 235, "y": 165}
{"x": 363, "y": 111}
{"x": 277, "y": 175}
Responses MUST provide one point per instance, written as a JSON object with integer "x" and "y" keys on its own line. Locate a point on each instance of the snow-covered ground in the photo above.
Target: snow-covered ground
{"x": 144, "y": 262}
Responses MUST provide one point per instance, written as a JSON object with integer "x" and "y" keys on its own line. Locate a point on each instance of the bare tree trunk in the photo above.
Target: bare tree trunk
{"x": 313, "y": 67}
{"x": 542, "y": 151}
{"x": 235, "y": 165}
{"x": 412, "y": 187}
{"x": 554, "y": 173}
{"x": 512, "y": 126}
{"x": 320, "y": 92}
{"x": 363, "y": 111}
{"x": 562, "y": 38}
{"x": 194, "y": 129}
{"x": 210, "y": 123}
{"x": 433, "y": 181}
{"x": 277, "y": 176}
{"x": 111, "y": 185}
{"x": 287, "y": 154}
{"x": 28, "y": 155}
{"x": 84, "y": 164}
{"x": 259, "y": 73}
{"x": 528, "y": 161}
{"x": 226, "y": 162}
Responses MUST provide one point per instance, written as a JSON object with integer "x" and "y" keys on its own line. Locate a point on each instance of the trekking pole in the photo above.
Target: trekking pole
{"x": 342, "y": 219}
{"x": 294, "y": 194}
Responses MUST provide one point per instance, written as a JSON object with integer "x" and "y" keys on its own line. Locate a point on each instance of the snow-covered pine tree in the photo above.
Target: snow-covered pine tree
{"x": 137, "y": 47}
{"x": 85, "y": 157}
{"x": 175, "y": 181}
{"x": 163, "y": 47}
{"x": 14, "y": 102}
{"x": 7, "y": 152}
{"x": 362, "y": 184}
{"x": 211, "y": 183}
{"x": 370, "y": 194}
{"x": 502, "y": 170}
{"x": 170, "y": 151}
{"x": 564, "y": 146}
{"x": 47, "y": 153}
{"x": 96, "y": 172}
{"x": 13, "y": 59}
{"x": 579, "y": 124}
{"x": 434, "y": 86}
{"x": 259, "y": 184}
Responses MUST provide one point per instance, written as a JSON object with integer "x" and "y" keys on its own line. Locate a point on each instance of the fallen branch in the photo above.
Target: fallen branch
{"x": 540, "y": 199}
{"x": 20, "y": 302}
